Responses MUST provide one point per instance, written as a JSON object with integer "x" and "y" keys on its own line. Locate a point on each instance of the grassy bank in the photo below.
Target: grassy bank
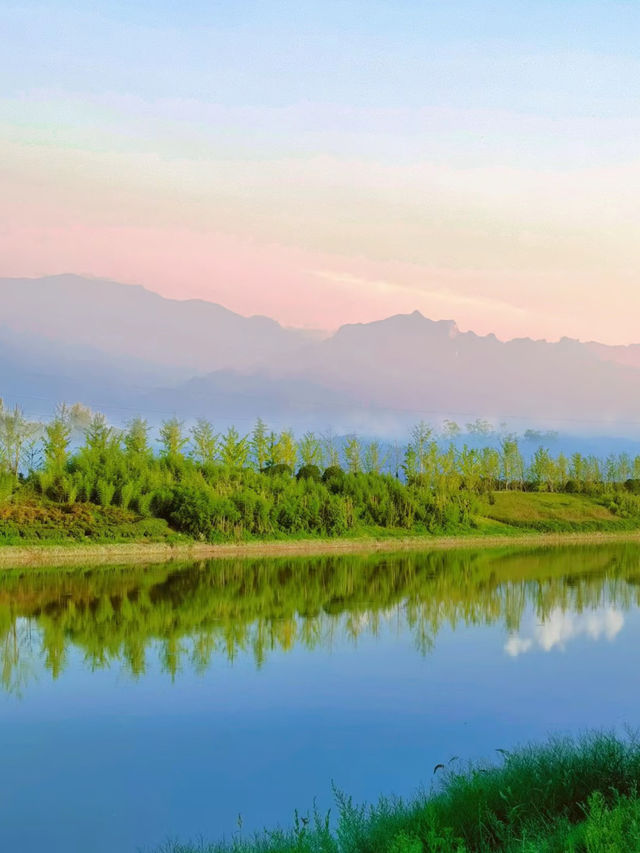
{"x": 116, "y": 487}
{"x": 143, "y": 553}
{"x": 563, "y": 796}
{"x": 49, "y": 533}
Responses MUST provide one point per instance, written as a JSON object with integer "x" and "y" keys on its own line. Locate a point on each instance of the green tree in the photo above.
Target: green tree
{"x": 420, "y": 438}
{"x": 410, "y": 464}
{"x": 287, "y": 449}
{"x": 259, "y": 445}
{"x": 172, "y": 438}
{"x": 542, "y": 470}
{"x": 204, "y": 443}
{"x": 56, "y": 442}
{"x": 490, "y": 466}
{"x": 373, "y": 459}
{"x": 136, "y": 439}
{"x": 97, "y": 435}
{"x": 330, "y": 450}
{"x": 512, "y": 464}
{"x": 234, "y": 449}
{"x": 310, "y": 450}
{"x": 470, "y": 466}
{"x": 353, "y": 454}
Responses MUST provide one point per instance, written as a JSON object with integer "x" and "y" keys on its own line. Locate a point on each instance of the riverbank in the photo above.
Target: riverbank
{"x": 160, "y": 552}
{"x": 565, "y": 795}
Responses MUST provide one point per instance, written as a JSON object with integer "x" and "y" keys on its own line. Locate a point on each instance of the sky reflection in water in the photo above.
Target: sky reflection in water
{"x": 139, "y": 704}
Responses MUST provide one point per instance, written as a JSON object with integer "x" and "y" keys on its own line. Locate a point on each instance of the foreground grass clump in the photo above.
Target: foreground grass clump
{"x": 565, "y": 795}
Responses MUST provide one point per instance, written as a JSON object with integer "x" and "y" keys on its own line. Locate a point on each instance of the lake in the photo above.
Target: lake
{"x": 139, "y": 704}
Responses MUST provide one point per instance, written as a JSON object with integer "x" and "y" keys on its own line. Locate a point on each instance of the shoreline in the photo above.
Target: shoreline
{"x": 25, "y": 556}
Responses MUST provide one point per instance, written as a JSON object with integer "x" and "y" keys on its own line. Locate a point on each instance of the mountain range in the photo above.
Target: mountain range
{"x": 124, "y": 350}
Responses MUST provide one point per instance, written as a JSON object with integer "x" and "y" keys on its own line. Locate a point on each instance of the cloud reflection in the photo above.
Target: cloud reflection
{"x": 561, "y": 626}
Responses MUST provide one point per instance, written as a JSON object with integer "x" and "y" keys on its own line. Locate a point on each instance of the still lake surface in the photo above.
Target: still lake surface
{"x": 142, "y": 704}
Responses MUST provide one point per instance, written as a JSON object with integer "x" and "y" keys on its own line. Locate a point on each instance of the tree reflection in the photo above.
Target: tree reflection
{"x": 187, "y": 615}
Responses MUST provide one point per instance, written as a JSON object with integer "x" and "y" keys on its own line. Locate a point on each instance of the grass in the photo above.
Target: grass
{"x": 27, "y": 522}
{"x": 551, "y": 512}
{"x": 30, "y": 532}
{"x": 565, "y": 795}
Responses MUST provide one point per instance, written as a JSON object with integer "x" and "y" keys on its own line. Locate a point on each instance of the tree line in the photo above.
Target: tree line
{"x": 210, "y": 484}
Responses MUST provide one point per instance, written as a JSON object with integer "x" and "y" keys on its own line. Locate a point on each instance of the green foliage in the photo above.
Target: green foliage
{"x": 200, "y": 513}
{"x": 204, "y": 442}
{"x": 136, "y": 443}
{"x": 172, "y": 439}
{"x": 7, "y": 486}
{"x": 234, "y": 449}
{"x": 237, "y": 486}
{"x": 310, "y": 451}
{"x": 309, "y": 472}
{"x": 563, "y": 797}
{"x": 75, "y": 522}
{"x": 56, "y": 443}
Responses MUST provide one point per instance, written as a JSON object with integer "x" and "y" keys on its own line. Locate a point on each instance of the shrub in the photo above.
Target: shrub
{"x": 309, "y": 472}
{"x": 192, "y": 511}
{"x": 334, "y": 479}
{"x": 279, "y": 470}
{"x": 633, "y": 486}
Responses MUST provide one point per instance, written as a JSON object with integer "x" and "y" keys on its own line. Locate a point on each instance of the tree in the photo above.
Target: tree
{"x": 410, "y": 465}
{"x": 287, "y": 449}
{"x": 420, "y": 437}
{"x": 136, "y": 439}
{"x": 56, "y": 442}
{"x": 273, "y": 451}
{"x": 15, "y": 432}
{"x": 352, "y": 454}
{"x": 172, "y": 438}
{"x": 234, "y": 449}
{"x": 490, "y": 467}
{"x": 373, "y": 459}
{"x": 259, "y": 445}
{"x": 79, "y": 416}
{"x": 204, "y": 442}
{"x": 330, "y": 450}
{"x": 577, "y": 468}
{"x": 450, "y": 430}
{"x": 97, "y": 435}
{"x": 480, "y": 427}
{"x": 470, "y": 466}
{"x": 542, "y": 470}
{"x": 511, "y": 462}
{"x": 562, "y": 468}
{"x": 310, "y": 450}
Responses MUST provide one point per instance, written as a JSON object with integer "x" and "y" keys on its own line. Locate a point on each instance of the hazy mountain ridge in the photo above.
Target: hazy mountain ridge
{"x": 128, "y": 320}
{"x": 123, "y": 347}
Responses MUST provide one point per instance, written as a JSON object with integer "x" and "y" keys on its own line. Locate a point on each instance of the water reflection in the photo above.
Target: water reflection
{"x": 189, "y": 614}
{"x": 562, "y": 626}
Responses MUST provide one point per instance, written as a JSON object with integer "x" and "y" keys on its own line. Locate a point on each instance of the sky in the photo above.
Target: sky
{"x": 333, "y": 161}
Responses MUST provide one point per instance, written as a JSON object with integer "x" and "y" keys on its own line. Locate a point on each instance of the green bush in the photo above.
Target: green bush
{"x": 309, "y": 472}
{"x": 191, "y": 511}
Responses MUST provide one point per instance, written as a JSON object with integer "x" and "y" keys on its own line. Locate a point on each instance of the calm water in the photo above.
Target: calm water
{"x": 142, "y": 704}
